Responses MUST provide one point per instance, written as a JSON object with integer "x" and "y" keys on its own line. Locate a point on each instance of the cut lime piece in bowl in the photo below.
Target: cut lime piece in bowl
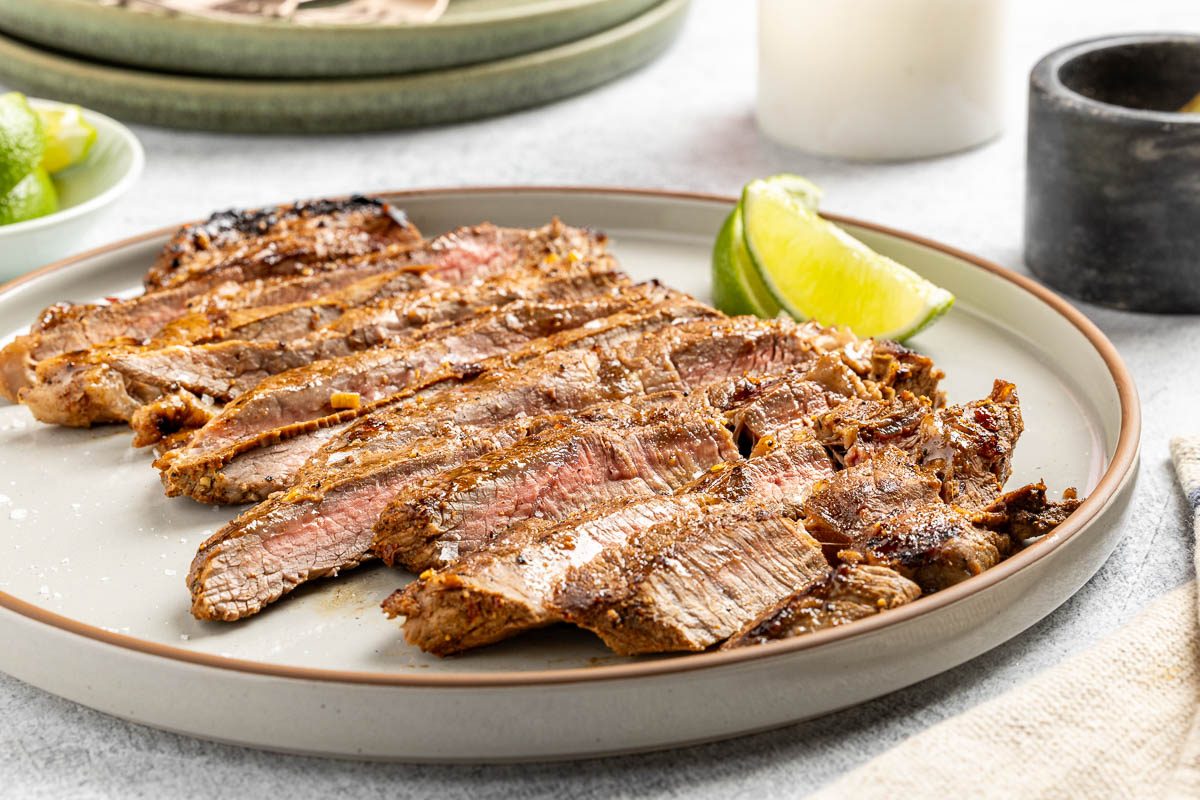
{"x": 35, "y": 196}
{"x": 69, "y": 137}
{"x": 21, "y": 142}
{"x": 815, "y": 270}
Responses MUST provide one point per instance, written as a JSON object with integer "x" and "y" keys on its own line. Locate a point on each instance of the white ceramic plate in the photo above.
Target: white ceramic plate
{"x": 85, "y": 192}
{"x": 93, "y": 557}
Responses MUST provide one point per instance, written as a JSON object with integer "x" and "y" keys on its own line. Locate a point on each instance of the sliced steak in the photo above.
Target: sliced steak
{"x": 451, "y": 258}
{"x": 553, "y": 476}
{"x": 324, "y": 523}
{"x": 296, "y": 235}
{"x": 350, "y": 483}
{"x": 895, "y": 365}
{"x": 693, "y": 582}
{"x": 935, "y": 546}
{"x": 968, "y": 447}
{"x": 678, "y": 357}
{"x": 971, "y": 446}
{"x": 499, "y": 592}
{"x": 195, "y": 468}
{"x": 1027, "y": 513}
{"x": 111, "y": 384}
{"x": 846, "y": 594}
{"x": 285, "y": 321}
{"x": 845, "y": 506}
{"x": 869, "y": 428}
{"x": 512, "y": 586}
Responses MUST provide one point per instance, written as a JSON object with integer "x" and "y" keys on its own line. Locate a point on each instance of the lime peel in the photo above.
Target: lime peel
{"x": 815, "y": 270}
{"x": 21, "y": 140}
{"x": 35, "y": 196}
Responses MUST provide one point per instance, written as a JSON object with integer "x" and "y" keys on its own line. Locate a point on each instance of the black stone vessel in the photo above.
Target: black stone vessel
{"x": 1112, "y": 203}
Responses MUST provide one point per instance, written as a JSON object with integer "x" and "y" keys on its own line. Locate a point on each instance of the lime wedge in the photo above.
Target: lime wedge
{"x": 737, "y": 287}
{"x": 21, "y": 144}
{"x": 34, "y": 196}
{"x": 815, "y": 270}
{"x": 69, "y": 137}
{"x": 802, "y": 190}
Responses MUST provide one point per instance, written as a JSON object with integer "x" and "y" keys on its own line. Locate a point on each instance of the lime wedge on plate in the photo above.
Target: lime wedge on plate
{"x": 815, "y": 270}
{"x": 737, "y": 287}
{"x": 34, "y": 196}
{"x": 21, "y": 143}
{"x": 69, "y": 137}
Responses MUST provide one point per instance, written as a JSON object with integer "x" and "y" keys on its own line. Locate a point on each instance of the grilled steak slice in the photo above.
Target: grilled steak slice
{"x": 386, "y": 321}
{"x": 285, "y": 321}
{"x": 1026, "y": 513}
{"x": 196, "y": 469}
{"x": 499, "y": 592}
{"x": 693, "y": 582}
{"x": 110, "y": 384}
{"x": 511, "y": 586}
{"x": 970, "y": 446}
{"x": 452, "y": 258}
{"x": 324, "y": 524}
{"x": 844, "y": 507}
{"x": 935, "y": 546}
{"x": 846, "y": 594}
{"x": 894, "y": 364}
{"x": 398, "y": 320}
{"x": 439, "y": 520}
{"x": 299, "y": 234}
{"x": 868, "y": 428}
{"x": 373, "y": 309}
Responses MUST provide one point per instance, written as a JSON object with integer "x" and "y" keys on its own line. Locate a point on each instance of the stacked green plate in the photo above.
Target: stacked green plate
{"x": 483, "y": 57}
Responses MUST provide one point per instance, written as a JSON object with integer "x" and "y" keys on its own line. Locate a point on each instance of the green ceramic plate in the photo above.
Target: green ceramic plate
{"x": 345, "y": 105}
{"x": 471, "y": 31}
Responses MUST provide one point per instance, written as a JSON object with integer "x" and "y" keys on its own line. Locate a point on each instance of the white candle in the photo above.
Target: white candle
{"x": 881, "y": 79}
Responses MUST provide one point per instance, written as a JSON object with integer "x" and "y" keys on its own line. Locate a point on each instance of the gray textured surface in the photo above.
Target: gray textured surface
{"x": 685, "y": 123}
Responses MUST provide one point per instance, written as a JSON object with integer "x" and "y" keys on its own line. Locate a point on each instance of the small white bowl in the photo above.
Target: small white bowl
{"x": 85, "y": 192}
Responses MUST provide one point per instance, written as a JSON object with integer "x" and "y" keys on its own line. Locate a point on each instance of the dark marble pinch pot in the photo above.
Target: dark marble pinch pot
{"x": 1112, "y": 204}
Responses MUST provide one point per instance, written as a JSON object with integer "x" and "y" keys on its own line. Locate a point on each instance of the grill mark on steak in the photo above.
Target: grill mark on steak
{"x": 1027, "y": 513}
{"x": 111, "y": 384}
{"x": 935, "y": 546}
{"x": 512, "y": 586}
{"x": 845, "y": 506}
{"x": 324, "y": 523}
{"x": 189, "y": 470}
{"x": 938, "y": 545}
{"x": 846, "y": 594}
{"x": 293, "y": 235}
{"x": 480, "y": 250}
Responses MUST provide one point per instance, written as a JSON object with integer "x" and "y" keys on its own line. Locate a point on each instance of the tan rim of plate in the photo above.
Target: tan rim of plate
{"x": 1123, "y": 461}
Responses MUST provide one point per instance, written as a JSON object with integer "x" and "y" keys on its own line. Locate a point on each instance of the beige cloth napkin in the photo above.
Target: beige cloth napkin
{"x": 1118, "y": 720}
